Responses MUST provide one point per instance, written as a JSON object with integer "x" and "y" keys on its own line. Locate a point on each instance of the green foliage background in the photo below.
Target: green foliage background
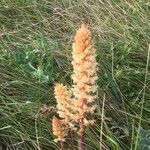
{"x": 35, "y": 52}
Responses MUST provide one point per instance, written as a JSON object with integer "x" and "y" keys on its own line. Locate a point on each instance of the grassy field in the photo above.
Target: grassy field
{"x": 35, "y": 52}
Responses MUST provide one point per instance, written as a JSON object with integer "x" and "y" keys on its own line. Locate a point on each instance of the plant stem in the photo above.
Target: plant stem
{"x": 69, "y": 140}
{"x": 82, "y": 136}
{"x": 61, "y": 145}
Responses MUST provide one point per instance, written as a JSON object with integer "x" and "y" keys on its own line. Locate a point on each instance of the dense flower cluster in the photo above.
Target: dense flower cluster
{"x": 65, "y": 105}
{"x": 74, "y": 105}
{"x": 84, "y": 72}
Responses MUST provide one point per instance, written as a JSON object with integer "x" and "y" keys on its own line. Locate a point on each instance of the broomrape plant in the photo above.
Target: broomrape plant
{"x": 75, "y": 104}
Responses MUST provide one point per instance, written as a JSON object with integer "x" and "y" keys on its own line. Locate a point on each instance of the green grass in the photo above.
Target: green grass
{"x": 35, "y": 51}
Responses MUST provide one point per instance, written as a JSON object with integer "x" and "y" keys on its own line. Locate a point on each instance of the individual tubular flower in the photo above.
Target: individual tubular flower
{"x": 60, "y": 129}
{"x": 84, "y": 72}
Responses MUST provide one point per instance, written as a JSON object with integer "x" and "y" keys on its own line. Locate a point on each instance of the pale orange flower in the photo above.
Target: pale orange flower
{"x": 84, "y": 71}
{"x": 74, "y": 106}
{"x": 65, "y": 105}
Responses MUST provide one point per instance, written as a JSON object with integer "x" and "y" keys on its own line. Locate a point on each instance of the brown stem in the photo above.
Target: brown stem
{"x": 69, "y": 140}
{"x": 82, "y": 136}
{"x": 61, "y": 145}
